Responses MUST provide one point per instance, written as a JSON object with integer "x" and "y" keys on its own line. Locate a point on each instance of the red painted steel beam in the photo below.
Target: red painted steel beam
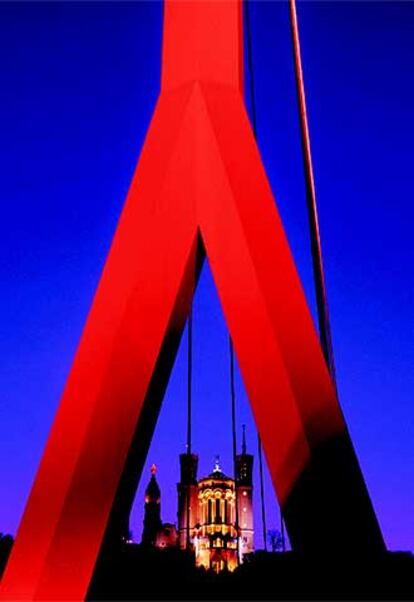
{"x": 199, "y": 176}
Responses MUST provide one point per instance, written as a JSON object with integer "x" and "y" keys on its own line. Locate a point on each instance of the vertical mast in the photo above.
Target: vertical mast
{"x": 202, "y": 41}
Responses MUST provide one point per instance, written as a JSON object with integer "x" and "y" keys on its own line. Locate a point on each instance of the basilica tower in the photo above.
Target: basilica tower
{"x": 244, "y": 492}
{"x": 215, "y": 540}
{"x": 152, "y": 511}
{"x": 188, "y": 510}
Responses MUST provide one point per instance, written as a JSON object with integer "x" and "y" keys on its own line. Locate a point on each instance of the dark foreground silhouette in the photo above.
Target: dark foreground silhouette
{"x": 6, "y": 543}
{"x": 134, "y": 572}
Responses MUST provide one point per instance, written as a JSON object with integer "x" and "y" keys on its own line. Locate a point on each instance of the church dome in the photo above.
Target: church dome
{"x": 152, "y": 492}
{"x": 217, "y": 474}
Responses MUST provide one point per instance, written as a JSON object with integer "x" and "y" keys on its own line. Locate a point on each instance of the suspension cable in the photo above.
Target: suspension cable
{"x": 254, "y": 125}
{"x": 234, "y": 440}
{"x": 250, "y": 65}
{"x": 316, "y": 249}
{"x": 189, "y": 377}
{"x": 259, "y": 450}
{"x": 282, "y": 532}
{"x": 189, "y": 415}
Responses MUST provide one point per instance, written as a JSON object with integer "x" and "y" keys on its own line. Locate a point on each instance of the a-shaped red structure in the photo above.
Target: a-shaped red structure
{"x": 199, "y": 188}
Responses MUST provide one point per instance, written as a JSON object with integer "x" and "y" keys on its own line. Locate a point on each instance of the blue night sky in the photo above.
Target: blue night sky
{"x": 78, "y": 86}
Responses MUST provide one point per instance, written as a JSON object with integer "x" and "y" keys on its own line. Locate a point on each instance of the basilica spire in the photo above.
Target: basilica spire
{"x": 244, "y": 464}
{"x": 244, "y": 447}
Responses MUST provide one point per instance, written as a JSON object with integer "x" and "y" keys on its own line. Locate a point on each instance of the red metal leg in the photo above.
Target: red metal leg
{"x": 200, "y": 171}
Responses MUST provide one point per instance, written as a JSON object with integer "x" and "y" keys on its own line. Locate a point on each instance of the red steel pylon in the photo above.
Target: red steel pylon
{"x": 199, "y": 186}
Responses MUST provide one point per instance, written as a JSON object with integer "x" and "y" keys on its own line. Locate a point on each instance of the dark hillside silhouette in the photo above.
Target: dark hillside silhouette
{"x": 135, "y": 572}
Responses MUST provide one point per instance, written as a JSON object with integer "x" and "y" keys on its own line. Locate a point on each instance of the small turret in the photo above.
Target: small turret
{"x": 152, "y": 512}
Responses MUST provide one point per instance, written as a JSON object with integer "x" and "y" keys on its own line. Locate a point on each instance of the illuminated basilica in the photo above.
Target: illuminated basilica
{"x": 211, "y": 511}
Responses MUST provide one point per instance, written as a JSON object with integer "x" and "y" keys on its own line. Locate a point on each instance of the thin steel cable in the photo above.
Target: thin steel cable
{"x": 282, "y": 531}
{"x": 234, "y": 439}
{"x": 254, "y": 125}
{"x": 250, "y": 66}
{"x": 189, "y": 409}
{"x": 316, "y": 248}
{"x": 259, "y": 451}
{"x": 189, "y": 378}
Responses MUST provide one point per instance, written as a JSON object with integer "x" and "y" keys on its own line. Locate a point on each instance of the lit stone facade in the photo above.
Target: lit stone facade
{"x": 211, "y": 507}
{"x": 214, "y": 537}
{"x": 215, "y": 507}
{"x": 166, "y": 536}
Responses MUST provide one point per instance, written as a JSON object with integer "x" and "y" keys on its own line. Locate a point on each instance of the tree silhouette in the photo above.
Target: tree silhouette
{"x": 275, "y": 540}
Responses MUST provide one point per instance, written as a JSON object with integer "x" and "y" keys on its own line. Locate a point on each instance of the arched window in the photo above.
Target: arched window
{"x": 218, "y": 515}
{"x": 210, "y": 512}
